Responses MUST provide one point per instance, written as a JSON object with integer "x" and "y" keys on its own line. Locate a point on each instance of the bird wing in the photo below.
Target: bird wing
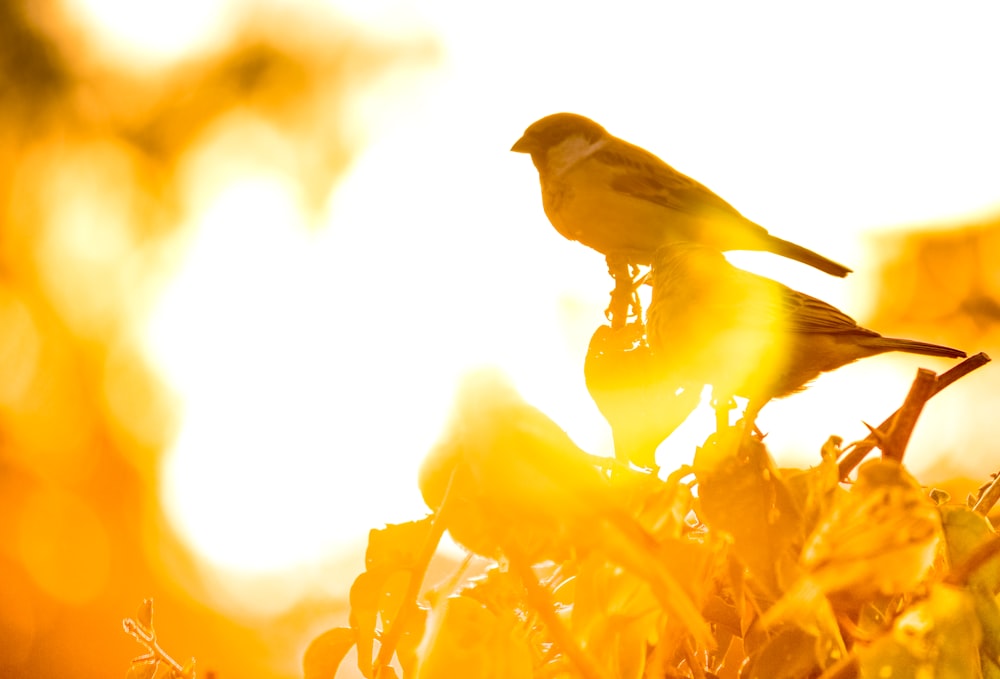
{"x": 771, "y": 302}
{"x": 809, "y": 315}
{"x": 805, "y": 314}
{"x": 640, "y": 174}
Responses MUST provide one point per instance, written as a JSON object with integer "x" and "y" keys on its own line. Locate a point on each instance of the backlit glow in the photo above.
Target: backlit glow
{"x": 317, "y": 362}
{"x": 153, "y": 32}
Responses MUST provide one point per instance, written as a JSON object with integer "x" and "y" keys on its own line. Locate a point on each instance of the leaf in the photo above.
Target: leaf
{"x": 465, "y": 639}
{"x": 364, "y": 598}
{"x": 325, "y": 653}
{"x": 397, "y": 546}
{"x": 939, "y": 497}
{"x": 814, "y": 490}
{"x": 937, "y": 637}
{"x": 393, "y": 552}
{"x": 813, "y": 625}
{"x": 814, "y": 642}
{"x": 991, "y": 670}
{"x": 988, "y": 613}
{"x": 407, "y": 650}
{"x": 965, "y": 530}
{"x": 879, "y": 538}
{"x": 660, "y": 507}
{"x": 499, "y": 590}
{"x": 615, "y": 615}
{"x": 747, "y": 499}
{"x": 788, "y": 655}
{"x": 393, "y": 589}
{"x": 142, "y": 670}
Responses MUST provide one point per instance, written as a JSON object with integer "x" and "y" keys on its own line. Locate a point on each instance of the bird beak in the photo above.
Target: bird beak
{"x": 522, "y": 145}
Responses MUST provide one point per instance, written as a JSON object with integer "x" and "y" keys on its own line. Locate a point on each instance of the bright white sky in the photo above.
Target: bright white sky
{"x": 820, "y": 122}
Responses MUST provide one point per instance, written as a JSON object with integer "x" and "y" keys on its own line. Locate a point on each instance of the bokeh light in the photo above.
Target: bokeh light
{"x": 64, "y": 545}
{"x": 139, "y": 35}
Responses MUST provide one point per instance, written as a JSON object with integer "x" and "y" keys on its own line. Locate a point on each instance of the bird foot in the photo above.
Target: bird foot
{"x": 625, "y": 303}
{"x": 722, "y": 408}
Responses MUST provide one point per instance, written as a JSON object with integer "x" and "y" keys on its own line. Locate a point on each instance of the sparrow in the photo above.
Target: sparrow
{"x": 709, "y": 322}
{"x": 616, "y": 197}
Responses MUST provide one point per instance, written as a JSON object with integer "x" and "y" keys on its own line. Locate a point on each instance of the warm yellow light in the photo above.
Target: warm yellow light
{"x": 20, "y": 345}
{"x": 64, "y": 545}
{"x": 243, "y": 334}
{"x": 152, "y": 33}
{"x": 318, "y": 365}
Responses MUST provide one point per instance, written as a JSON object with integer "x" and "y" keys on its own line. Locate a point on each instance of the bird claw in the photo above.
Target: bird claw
{"x": 722, "y": 408}
{"x": 625, "y": 303}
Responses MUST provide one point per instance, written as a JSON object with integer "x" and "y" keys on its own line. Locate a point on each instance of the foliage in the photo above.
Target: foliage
{"x": 789, "y": 573}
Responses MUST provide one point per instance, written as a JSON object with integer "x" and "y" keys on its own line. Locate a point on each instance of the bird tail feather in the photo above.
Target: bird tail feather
{"x": 915, "y": 347}
{"x": 806, "y": 256}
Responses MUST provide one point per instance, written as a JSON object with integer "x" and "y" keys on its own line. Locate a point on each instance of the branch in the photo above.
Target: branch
{"x": 148, "y": 639}
{"x": 543, "y": 605}
{"x": 906, "y": 417}
{"x": 989, "y": 498}
{"x": 418, "y": 571}
{"x": 960, "y": 574}
{"x": 861, "y": 449}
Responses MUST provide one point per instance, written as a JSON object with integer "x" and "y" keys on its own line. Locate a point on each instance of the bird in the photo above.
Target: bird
{"x": 518, "y": 487}
{"x": 709, "y": 322}
{"x": 618, "y": 198}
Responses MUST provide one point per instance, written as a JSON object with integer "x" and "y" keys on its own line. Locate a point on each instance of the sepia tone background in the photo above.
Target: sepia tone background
{"x": 246, "y": 249}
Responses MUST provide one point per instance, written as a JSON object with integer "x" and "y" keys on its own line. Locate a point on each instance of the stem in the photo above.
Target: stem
{"x": 906, "y": 417}
{"x": 960, "y": 574}
{"x": 137, "y": 632}
{"x": 858, "y": 452}
{"x": 544, "y": 606}
{"x": 418, "y": 571}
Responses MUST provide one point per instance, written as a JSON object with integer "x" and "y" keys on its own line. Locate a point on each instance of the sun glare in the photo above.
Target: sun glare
{"x": 251, "y": 248}
{"x": 303, "y": 420}
{"x": 153, "y": 33}
{"x": 317, "y": 363}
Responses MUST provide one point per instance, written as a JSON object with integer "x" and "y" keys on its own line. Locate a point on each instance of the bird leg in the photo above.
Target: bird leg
{"x": 750, "y": 422}
{"x": 624, "y": 298}
{"x": 750, "y": 416}
{"x": 722, "y": 407}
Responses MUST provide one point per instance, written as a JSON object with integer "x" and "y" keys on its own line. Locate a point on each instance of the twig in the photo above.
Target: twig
{"x": 861, "y": 449}
{"x": 543, "y": 604}
{"x": 960, "y": 574}
{"x": 906, "y": 417}
{"x": 148, "y": 639}
{"x": 692, "y": 661}
{"x": 989, "y": 497}
{"x": 417, "y": 571}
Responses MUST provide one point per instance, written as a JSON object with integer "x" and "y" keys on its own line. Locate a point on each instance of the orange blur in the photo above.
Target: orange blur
{"x": 93, "y": 158}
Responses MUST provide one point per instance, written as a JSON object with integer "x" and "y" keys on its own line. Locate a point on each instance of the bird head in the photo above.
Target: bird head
{"x": 559, "y": 130}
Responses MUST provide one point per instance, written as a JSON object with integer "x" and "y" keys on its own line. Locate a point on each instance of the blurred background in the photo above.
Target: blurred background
{"x": 247, "y": 247}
